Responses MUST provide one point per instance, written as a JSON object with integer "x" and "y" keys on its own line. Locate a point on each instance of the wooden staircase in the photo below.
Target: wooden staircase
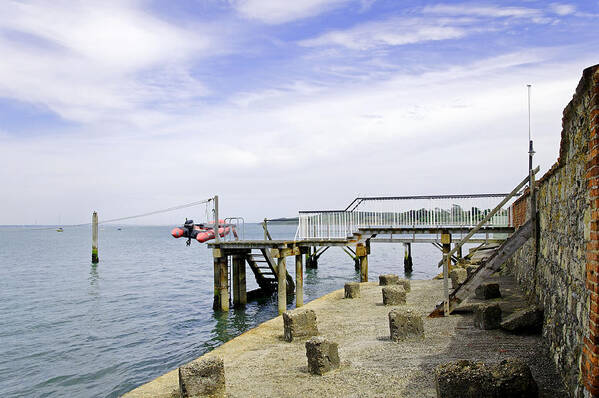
{"x": 487, "y": 268}
{"x": 264, "y": 267}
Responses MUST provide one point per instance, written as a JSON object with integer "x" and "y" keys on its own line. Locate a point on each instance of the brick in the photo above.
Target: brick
{"x": 593, "y": 338}
{"x": 593, "y": 359}
{"x": 594, "y": 348}
{"x": 592, "y": 277}
{"x": 594, "y": 161}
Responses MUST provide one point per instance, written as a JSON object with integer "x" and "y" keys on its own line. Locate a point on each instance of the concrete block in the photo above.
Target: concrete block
{"x": 513, "y": 378}
{"x": 462, "y": 379}
{"x": 300, "y": 322}
{"x": 406, "y": 285}
{"x": 352, "y": 290}
{"x": 487, "y": 316}
{"x": 323, "y": 355}
{"x": 471, "y": 269}
{"x": 529, "y": 320}
{"x": 202, "y": 378}
{"x": 394, "y": 295}
{"x": 403, "y": 324}
{"x": 458, "y": 276}
{"x": 486, "y": 291}
{"x": 388, "y": 279}
{"x": 471, "y": 379}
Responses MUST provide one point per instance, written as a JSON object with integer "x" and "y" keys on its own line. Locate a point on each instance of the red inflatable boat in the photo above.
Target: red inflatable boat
{"x": 201, "y": 232}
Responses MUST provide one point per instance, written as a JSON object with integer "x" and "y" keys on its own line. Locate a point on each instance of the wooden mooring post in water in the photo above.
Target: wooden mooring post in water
{"x": 95, "y": 258}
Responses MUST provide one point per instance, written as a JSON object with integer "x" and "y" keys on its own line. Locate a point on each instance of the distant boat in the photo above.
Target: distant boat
{"x": 59, "y": 229}
{"x": 119, "y": 229}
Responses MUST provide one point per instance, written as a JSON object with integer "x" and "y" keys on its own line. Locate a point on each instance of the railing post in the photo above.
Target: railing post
{"x": 216, "y": 221}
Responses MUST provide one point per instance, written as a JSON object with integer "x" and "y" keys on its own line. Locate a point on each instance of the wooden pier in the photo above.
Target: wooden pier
{"x": 409, "y": 219}
{"x": 267, "y": 259}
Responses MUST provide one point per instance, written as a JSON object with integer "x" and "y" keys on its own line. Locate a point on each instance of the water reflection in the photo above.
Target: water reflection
{"x": 94, "y": 281}
{"x": 311, "y": 276}
{"x": 220, "y": 331}
{"x": 240, "y": 320}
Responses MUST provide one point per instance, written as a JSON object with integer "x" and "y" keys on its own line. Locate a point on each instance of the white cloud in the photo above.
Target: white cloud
{"x": 145, "y": 140}
{"x": 91, "y": 61}
{"x": 277, "y": 11}
{"x": 394, "y": 136}
{"x": 482, "y": 11}
{"x": 562, "y": 9}
{"x": 392, "y": 32}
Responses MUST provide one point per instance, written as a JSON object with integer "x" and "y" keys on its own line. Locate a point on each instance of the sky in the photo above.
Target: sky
{"x": 129, "y": 106}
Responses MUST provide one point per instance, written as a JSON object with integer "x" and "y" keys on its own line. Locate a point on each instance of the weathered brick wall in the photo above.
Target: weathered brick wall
{"x": 560, "y": 269}
{"x": 519, "y": 209}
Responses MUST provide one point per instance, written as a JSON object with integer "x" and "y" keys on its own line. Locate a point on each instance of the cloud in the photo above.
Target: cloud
{"x": 151, "y": 133}
{"x": 91, "y": 61}
{"x": 278, "y": 12}
{"x": 562, "y": 9}
{"x": 482, "y": 11}
{"x": 440, "y": 118}
{"x": 392, "y": 32}
{"x": 495, "y": 12}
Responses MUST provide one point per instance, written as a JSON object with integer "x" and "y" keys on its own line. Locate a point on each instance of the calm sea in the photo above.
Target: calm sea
{"x": 76, "y": 330}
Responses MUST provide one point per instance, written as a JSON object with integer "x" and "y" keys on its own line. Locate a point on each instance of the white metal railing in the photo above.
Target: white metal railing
{"x": 442, "y": 211}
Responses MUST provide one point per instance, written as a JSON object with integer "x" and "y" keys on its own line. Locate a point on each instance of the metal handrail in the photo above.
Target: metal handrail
{"x": 402, "y": 211}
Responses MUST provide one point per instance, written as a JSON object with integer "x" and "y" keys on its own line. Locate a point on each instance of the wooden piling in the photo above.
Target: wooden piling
{"x": 221, "y": 289}
{"x": 299, "y": 281}
{"x": 407, "y": 261}
{"x": 362, "y": 253}
{"x": 282, "y": 284}
{"x": 446, "y": 241}
{"x": 239, "y": 284}
{"x": 95, "y": 257}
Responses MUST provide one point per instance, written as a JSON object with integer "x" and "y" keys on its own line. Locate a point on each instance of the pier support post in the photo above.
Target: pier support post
{"x": 299, "y": 281}
{"x": 311, "y": 259}
{"x": 239, "y": 286}
{"x": 407, "y": 261}
{"x": 459, "y": 255}
{"x": 95, "y": 258}
{"x": 221, "y": 282}
{"x": 446, "y": 241}
{"x": 282, "y": 284}
{"x": 362, "y": 253}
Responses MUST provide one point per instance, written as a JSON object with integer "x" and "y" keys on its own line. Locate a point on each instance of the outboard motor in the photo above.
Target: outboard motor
{"x": 188, "y": 226}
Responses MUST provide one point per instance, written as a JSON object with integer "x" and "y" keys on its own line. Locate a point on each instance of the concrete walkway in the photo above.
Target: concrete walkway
{"x": 260, "y": 364}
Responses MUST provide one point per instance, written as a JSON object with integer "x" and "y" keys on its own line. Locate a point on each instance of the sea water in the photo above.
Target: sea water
{"x": 73, "y": 329}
